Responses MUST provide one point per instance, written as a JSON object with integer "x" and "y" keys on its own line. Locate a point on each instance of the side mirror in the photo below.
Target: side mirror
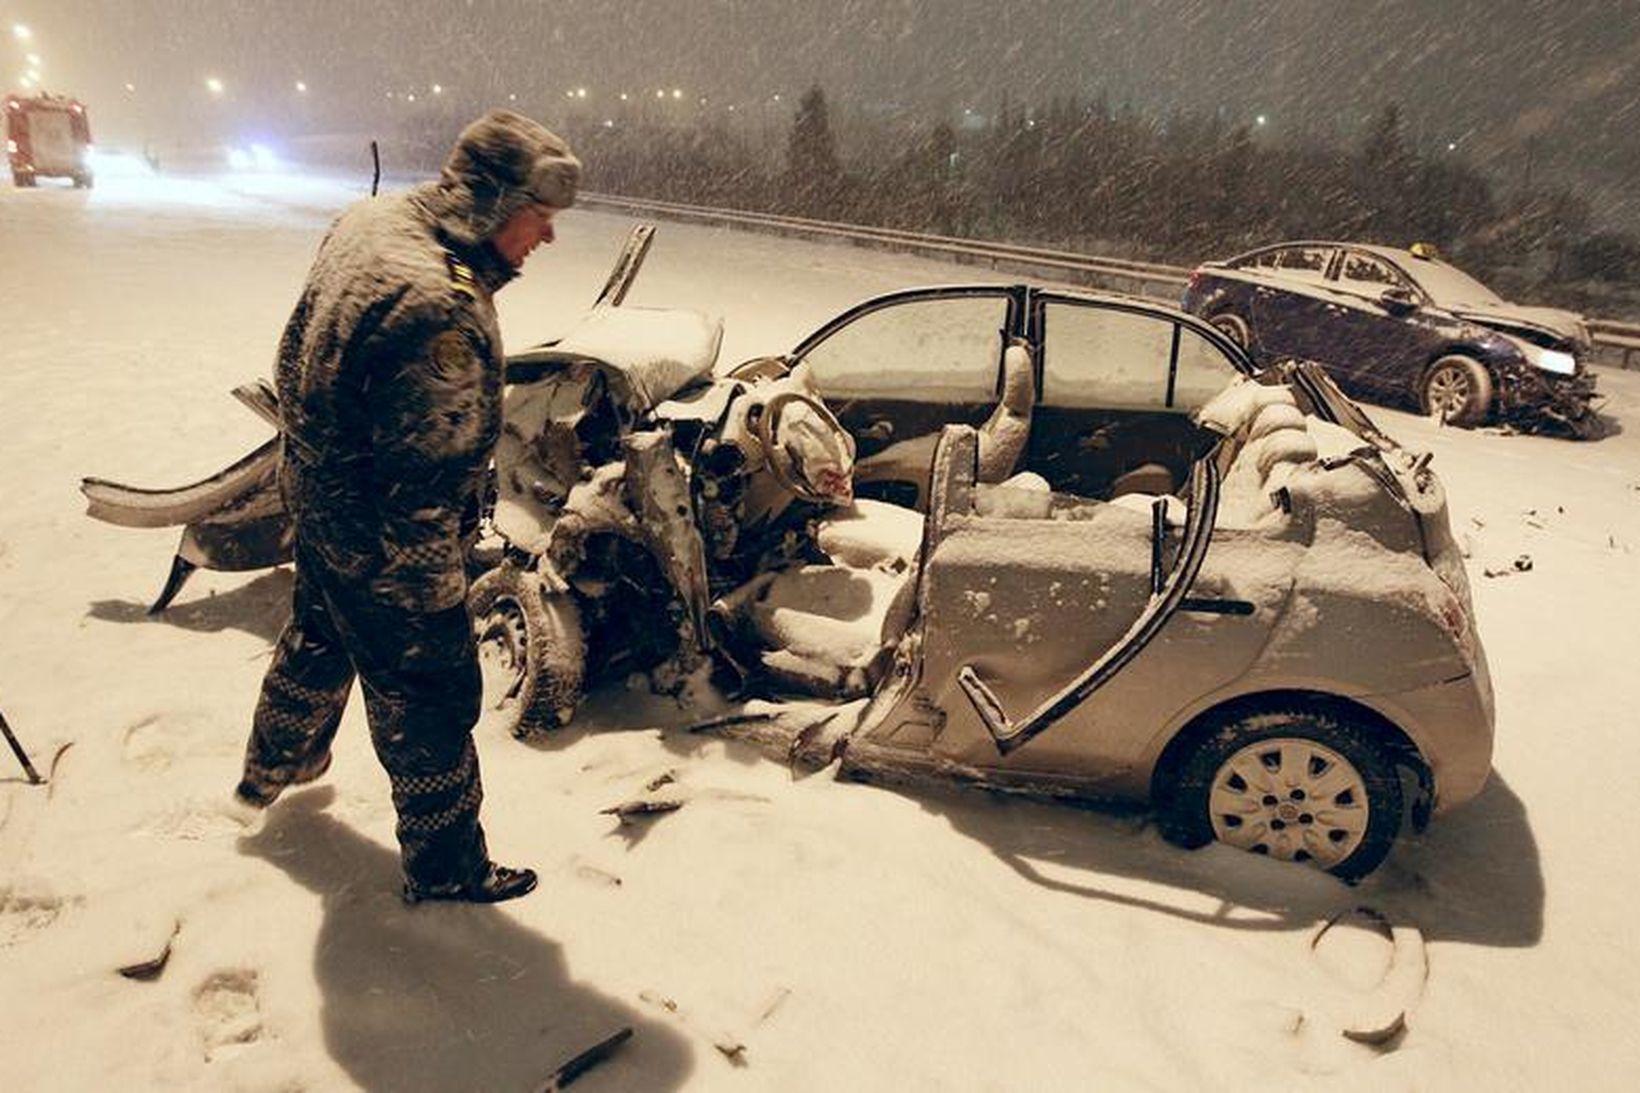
{"x": 1398, "y": 301}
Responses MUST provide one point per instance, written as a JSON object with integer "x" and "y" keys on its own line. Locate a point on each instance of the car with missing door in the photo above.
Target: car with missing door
{"x": 1149, "y": 570}
{"x": 1402, "y": 327}
{"x": 1089, "y": 551}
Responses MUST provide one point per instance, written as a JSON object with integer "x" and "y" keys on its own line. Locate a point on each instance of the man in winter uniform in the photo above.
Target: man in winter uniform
{"x": 389, "y": 375}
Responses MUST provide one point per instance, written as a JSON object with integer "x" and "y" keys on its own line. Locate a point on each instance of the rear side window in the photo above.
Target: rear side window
{"x": 942, "y": 349}
{"x": 1105, "y": 358}
{"x": 1202, "y": 370}
{"x": 1309, "y": 263}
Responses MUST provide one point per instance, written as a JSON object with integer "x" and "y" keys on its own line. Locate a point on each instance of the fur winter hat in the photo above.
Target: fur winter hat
{"x": 502, "y": 162}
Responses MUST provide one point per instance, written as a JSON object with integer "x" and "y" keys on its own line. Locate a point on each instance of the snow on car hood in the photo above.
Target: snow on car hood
{"x": 1547, "y": 320}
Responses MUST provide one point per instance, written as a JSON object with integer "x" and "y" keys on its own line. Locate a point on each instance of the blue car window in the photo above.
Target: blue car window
{"x": 1305, "y": 263}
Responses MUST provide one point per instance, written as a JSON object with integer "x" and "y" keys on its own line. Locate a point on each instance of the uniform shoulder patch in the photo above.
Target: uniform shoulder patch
{"x": 461, "y": 276}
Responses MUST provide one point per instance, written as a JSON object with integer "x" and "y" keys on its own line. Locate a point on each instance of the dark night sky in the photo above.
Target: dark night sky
{"x": 1554, "y": 80}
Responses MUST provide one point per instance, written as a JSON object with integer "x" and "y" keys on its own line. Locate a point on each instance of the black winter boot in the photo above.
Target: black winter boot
{"x": 260, "y": 792}
{"x": 496, "y": 884}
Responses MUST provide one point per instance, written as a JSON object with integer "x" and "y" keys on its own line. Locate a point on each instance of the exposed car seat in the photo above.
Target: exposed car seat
{"x": 1002, "y": 438}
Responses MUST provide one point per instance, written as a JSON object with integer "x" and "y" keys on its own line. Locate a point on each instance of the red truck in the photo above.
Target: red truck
{"x": 47, "y": 135}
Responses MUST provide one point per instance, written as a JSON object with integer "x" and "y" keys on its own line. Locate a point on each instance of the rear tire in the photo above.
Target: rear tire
{"x": 21, "y": 180}
{"x": 1234, "y": 327}
{"x": 531, "y": 648}
{"x": 1457, "y": 390}
{"x": 1296, "y": 785}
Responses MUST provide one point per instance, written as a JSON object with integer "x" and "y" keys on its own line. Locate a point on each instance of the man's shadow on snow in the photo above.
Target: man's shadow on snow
{"x": 1474, "y": 876}
{"x": 259, "y": 607}
{"x": 445, "y": 996}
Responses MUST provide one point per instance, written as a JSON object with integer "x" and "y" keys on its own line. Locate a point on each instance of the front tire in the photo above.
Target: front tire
{"x": 1295, "y": 785}
{"x": 531, "y": 649}
{"x": 1457, "y": 390}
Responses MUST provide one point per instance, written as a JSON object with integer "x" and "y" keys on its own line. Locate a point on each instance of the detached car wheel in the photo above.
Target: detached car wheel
{"x": 1296, "y": 785}
{"x": 531, "y": 649}
{"x": 1234, "y": 327}
{"x": 1458, "y": 390}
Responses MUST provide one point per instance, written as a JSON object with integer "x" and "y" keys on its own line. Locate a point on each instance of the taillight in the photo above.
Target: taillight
{"x": 1453, "y": 612}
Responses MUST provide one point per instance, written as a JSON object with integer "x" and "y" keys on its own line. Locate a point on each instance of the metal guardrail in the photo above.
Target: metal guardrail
{"x": 1069, "y": 265}
{"x": 1623, "y": 338}
{"x": 1145, "y": 278}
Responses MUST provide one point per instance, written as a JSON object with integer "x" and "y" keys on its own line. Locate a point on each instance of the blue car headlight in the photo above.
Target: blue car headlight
{"x": 1554, "y": 360}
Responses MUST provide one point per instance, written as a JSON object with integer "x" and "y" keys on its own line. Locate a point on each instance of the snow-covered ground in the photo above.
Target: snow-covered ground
{"x": 848, "y": 937}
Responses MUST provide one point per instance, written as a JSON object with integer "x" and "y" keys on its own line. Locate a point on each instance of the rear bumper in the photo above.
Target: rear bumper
{"x": 1451, "y": 724}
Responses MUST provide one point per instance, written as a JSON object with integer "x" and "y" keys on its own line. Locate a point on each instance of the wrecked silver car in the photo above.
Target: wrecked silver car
{"x": 1048, "y": 541}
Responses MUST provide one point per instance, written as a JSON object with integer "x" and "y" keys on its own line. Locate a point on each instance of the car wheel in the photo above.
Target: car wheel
{"x": 1295, "y": 785}
{"x": 21, "y": 180}
{"x": 1458, "y": 390}
{"x": 1232, "y": 326}
{"x": 532, "y": 652}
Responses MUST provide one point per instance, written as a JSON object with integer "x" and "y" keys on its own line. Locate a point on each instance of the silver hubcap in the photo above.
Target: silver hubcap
{"x": 1448, "y": 392}
{"x": 1292, "y": 799}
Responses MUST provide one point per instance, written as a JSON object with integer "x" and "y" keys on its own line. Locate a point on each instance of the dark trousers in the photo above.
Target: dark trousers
{"x": 422, "y": 694}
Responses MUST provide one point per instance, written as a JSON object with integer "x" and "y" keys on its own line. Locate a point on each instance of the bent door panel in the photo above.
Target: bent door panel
{"x": 1030, "y": 603}
{"x": 899, "y": 369}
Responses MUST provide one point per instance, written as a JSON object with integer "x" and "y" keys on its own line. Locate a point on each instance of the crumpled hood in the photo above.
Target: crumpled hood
{"x": 1548, "y": 320}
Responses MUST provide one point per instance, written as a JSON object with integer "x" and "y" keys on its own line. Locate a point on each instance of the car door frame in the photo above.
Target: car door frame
{"x": 861, "y": 417}
{"x": 1120, "y": 427}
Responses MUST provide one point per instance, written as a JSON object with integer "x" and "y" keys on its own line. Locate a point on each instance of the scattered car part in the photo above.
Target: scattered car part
{"x": 17, "y": 750}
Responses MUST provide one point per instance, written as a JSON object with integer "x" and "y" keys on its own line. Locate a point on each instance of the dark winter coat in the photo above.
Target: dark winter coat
{"x": 389, "y": 371}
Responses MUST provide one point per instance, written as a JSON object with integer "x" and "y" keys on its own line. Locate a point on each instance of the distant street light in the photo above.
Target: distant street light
{"x": 301, "y": 87}
{"x": 438, "y": 89}
{"x": 580, "y": 92}
{"x": 677, "y": 92}
{"x": 213, "y": 85}
{"x": 130, "y": 87}
{"x": 20, "y": 32}
{"x": 34, "y": 59}
{"x": 1260, "y": 120}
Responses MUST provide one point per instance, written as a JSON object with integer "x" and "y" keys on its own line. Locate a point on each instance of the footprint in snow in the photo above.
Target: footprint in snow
{"x": 28, "y": 905}
{"x": 145, "y": 745}
{"x": 214, "y": 817}
{"x": 227, "y": 1009}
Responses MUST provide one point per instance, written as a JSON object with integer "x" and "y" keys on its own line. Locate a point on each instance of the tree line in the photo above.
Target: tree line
{"x": 1081, "y": 175}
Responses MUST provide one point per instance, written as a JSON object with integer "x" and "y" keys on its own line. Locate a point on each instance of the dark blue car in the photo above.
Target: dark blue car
{"x": 1403, "y": 327}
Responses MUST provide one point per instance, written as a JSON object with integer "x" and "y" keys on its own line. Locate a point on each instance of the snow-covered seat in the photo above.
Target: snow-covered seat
{"x": 1002, "y": 438}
